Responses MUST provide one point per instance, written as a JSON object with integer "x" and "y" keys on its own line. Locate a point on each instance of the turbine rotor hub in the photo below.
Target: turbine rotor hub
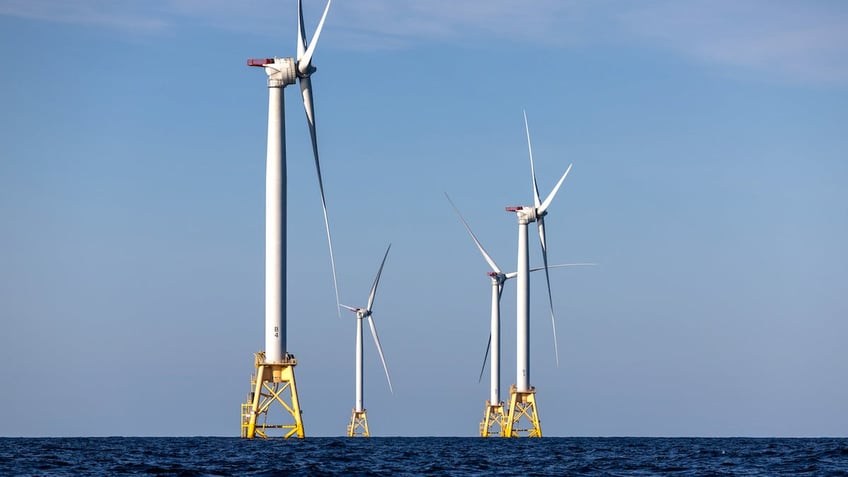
{"x": 305, "y": 72}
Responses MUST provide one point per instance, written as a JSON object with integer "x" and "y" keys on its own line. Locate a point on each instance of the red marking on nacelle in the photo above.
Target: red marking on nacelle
{"x": 492, "y": 274}
{"x": 514, "y": 209}
{"x": 259, "y": 61}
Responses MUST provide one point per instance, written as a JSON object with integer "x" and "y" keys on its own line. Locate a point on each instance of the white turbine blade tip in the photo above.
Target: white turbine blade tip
{"x": 377, "y": 279}
{"x": 482, "y": 250}
{"x": 380, "y": 351}
{"x": 550, "y": 198}
{"x": 536, "y": 199}
{"x": 561, "y": 265}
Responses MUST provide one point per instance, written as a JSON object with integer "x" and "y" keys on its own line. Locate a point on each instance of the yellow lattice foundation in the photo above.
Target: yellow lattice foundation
{"x": 358, "y": 426}
{"x": 523, "y": 417}
{"x": 493, "y": 420}
{"x": 272, "y": 383}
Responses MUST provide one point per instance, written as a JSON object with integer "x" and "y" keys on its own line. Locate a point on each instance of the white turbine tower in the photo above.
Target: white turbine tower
{"x": 358, "y": 426}
{"x": 522, "y": 395}
{"x": 275, "y": 366}
{"x": 493, "y": 415}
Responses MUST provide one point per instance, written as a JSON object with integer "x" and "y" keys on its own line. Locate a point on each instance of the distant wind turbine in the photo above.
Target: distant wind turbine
{"x": 358, "y": 426}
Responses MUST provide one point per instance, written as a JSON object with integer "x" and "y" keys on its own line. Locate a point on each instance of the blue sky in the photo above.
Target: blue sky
{"x": 709, "y": 147}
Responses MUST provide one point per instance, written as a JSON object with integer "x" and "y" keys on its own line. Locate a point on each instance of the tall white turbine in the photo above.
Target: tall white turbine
{"x": 498, "y": 278}
{"x": 523, "y": 394}
{"x": 274, "y": 366}
{"x": 359, "y": 423}
{"x": 281, "y": 73}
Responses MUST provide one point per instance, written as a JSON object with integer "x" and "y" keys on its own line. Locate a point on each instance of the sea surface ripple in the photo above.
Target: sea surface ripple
{"x": 460, "y": 456}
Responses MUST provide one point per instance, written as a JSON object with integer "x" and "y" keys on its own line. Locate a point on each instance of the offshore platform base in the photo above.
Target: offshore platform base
{"x": 523, "y": 417}
{"x": 493, "y": 420}
{"x": 358, "y": 426}
{"x": 272, "y": 383}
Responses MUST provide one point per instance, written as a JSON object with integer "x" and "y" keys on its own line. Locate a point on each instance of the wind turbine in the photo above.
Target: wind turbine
{"x": 494, "y": 412}
{"x": 358, "y": 426}
{"x": 275, "y": 366}
{"x": 522, "y": 395}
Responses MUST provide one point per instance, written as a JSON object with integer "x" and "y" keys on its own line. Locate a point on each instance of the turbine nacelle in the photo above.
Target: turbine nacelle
{"x": 281, "y": 71}
{"x": 360, "y": 312}
{"x": 527, "y": 213}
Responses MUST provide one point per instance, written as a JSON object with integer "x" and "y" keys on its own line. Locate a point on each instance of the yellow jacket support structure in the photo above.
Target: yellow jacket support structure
{"x": 358, "y": 426}
{"x": 493, "y": 420}
{"x": 272, "y": 383}
{"x": 522, "y": 412}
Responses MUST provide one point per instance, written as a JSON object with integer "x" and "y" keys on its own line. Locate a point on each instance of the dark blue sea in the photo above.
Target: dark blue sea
{"x": 226, "y": 456}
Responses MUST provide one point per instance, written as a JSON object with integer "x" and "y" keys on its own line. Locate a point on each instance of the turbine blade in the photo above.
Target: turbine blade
{"x": 304, "y": 62}
{"x": 485, "y": 358}
{"x": 380, "y": 350}
{"x": 377, "y": 280}
{"x": 353, "y": 309}
{"x": 509, "y": 275}
{"x": 536, "y": 200}
{"x": 306, "y": 92}
{"x": 550, "y": 198}
{"x": 541, "y": 222}
{"x": 488, "y": 258}
{"x": 489, "y": 343}
{"x": 536, "y": 269}
{"x": 301, "y": 35}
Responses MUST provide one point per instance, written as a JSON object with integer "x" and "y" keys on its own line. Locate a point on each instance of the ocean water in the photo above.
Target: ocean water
{"x": 460, "y": 456}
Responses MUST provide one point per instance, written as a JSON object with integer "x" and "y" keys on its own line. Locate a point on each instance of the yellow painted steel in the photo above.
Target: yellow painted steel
{"x": 493, "y": 420}
{"x": 272, "y": 383}
{"x": 358, "y": 426}
{"x": 522, "y": 412}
